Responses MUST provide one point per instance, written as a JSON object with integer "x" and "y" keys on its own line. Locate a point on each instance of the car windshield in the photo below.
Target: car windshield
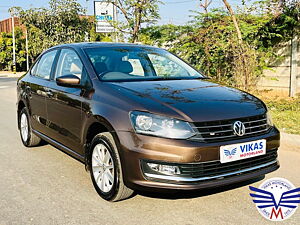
{"x": 139, "y": 63}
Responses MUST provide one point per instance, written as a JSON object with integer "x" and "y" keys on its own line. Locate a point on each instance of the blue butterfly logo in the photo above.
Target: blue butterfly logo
{"x": 265, "y": 199}
{"x": 230, "y": 153}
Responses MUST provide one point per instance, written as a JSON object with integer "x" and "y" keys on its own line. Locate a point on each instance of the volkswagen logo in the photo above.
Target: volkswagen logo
{"x": 239, "y": 128}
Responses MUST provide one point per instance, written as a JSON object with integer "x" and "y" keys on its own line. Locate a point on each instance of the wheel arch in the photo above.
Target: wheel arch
{"x": 97, "y": 125}
{"x": 21, "y": 105}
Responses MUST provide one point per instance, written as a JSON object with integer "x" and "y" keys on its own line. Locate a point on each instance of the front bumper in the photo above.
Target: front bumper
{"x": 136, "y": 148}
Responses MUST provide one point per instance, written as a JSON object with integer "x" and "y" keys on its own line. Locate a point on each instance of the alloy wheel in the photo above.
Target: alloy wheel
{"x": 24, "y": 127}
{"x": 103, "y": 168}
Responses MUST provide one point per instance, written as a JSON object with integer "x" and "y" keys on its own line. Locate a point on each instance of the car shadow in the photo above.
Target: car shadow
{"x": 174, "y": 194}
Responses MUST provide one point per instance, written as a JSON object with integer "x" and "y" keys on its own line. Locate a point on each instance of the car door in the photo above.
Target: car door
{"x": 65, "y": 103}
{"x": 37, "y": 90}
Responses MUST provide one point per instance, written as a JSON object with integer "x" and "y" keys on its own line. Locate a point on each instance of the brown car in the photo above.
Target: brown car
{"x": 141, "y": 118}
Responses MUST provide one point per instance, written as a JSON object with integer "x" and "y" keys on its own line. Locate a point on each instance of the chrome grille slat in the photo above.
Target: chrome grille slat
{"x": 222, "y": 129}
{"x": 258, "y": 131}
{"x": 231, "y": 135}
{"x": 228, "y": 125}
{"x": 255, "y": 121}
{"x": 215, "y": 137}
{"x": 256, "y": 126}
{"x": 216, "y": 132}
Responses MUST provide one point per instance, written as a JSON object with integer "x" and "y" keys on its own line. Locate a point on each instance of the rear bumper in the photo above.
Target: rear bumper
{"x": 136, "y": 148}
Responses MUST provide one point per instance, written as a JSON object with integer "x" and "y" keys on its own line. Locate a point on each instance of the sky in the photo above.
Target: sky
{"x": 173, "y": 11}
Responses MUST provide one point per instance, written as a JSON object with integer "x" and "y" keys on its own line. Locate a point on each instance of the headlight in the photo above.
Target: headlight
{"x": 269, "y": 119}
{"x": 147, "y": 123}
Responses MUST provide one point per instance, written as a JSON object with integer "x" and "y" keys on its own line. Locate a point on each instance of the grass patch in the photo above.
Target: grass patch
{"x": 285, "y": 114}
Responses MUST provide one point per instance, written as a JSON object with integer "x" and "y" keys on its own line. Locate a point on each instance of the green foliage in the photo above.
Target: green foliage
{"x": 209, "y": 42}
{"x": 6, "y": 50}
{"x": 281, "y": 28}
{"x": 60, "y": 23}
{"x": 285, "y": 114}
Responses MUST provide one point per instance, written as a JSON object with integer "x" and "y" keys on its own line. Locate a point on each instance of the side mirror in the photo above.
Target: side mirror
{"x": 68, "y": 81}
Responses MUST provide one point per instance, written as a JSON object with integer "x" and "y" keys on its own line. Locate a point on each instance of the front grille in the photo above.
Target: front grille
{"x": 215, "y": 168}
{"x": 221, "y": 130}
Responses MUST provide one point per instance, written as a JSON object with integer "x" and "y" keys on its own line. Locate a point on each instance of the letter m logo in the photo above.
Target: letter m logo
{"x": 276, "y": 214}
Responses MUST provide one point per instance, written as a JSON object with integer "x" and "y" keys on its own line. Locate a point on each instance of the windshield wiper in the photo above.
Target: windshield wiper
{"x": 177, "y": 78}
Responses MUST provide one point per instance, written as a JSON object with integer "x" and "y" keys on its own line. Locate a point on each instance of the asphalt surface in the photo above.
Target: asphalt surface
{"x": 43, "y": 186}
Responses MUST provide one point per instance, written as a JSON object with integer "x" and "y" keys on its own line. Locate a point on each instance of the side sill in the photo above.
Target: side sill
{"x": 60, "y": 146}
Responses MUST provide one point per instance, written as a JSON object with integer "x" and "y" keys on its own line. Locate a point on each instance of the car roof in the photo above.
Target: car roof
{"x": 101, "y": 44}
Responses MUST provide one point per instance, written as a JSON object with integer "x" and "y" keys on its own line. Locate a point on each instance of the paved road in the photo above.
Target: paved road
{"x": 43, "y": 185}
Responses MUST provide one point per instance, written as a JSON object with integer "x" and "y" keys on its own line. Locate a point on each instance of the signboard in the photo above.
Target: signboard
{"x": 105, "y": 15}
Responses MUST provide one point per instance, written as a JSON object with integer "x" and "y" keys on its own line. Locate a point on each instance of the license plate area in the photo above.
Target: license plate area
{"x": 246, "y": 150}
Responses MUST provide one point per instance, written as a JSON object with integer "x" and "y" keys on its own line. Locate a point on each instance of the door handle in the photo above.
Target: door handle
{"x": 49, "y": 93}
{"x": 27, "y": 89}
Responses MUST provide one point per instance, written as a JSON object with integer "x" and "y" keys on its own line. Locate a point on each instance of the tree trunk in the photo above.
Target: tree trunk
{"x": 137, "y": 25}
{"x": 238, "y": 31}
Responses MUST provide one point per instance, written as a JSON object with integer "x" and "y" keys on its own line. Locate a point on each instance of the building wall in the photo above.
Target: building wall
{"x": 277, "y": 78}
{"x": 6, "y": 25}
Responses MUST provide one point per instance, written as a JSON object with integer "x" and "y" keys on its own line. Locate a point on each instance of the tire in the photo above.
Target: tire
{"x": 106, "y": 169}
{"x": 29, "y": 139}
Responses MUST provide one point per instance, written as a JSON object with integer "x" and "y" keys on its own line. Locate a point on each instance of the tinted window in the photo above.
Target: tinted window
{"x": 68, "y": 63}
{"x": 43, "y": 68}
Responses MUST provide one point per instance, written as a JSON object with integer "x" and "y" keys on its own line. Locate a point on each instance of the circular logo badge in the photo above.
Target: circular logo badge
{"x": 276, "y": 199}
{"x": 239, "y": 128}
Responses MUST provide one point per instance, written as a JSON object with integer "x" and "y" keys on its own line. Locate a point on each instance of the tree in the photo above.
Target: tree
{"x": 136, "y": 13}
{"x": 60, "y": 23}
{"x": 6, "y": 49}
{"x": 210, "y": 42}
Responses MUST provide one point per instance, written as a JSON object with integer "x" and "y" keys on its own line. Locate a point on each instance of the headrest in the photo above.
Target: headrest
{"x": 124, "y": 67}
{"x": 74, "y": 68}
{"x": 100, "y": 67}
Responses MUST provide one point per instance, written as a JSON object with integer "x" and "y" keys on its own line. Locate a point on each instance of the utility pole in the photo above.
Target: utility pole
{"x": 293, "y": 79}
{"x": 14, "y": 41}
{"x": 116, "y": 21}
{"x": 27, "y": 55}
{"x": 87, "y": 36}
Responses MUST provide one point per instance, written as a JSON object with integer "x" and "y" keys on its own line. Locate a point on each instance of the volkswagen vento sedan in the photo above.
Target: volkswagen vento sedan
{"x": 139, "y": 117}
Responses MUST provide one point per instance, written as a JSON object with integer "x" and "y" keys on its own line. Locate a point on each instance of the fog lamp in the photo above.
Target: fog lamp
{"x": 164, "y": 169}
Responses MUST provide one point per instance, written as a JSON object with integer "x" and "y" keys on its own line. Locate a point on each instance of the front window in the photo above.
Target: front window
{"x": 138, "y": 63}
{"x": 68, "y": 63}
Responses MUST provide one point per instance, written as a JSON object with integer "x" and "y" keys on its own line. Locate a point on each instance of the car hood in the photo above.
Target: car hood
{"x": 192, "y": 100}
